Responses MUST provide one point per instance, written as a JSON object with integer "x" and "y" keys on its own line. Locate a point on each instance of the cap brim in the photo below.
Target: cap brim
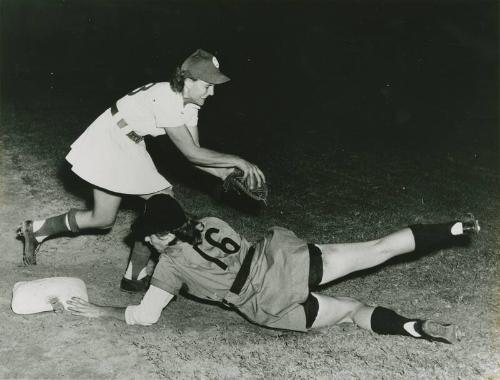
{"x": 218, "y": 79}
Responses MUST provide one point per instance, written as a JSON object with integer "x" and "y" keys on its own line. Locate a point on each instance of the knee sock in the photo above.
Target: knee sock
{"x": 429, "y": 237}
{"x": 55, "y": 225}
{"x": 138, "y": 261}
{"x": 387, "y": 322}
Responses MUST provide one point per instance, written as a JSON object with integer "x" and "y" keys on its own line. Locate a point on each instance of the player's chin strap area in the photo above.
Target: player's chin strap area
{"x": 242, "y": 275}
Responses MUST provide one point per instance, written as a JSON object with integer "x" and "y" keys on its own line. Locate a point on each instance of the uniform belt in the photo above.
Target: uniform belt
{"x": 114, "y": 109}
{"x": 122, "y": 124}
{"x": 242, "y": 275}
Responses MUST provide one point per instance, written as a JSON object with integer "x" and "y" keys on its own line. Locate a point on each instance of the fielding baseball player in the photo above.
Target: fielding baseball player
{"x": 270, "y": 282}
{"x": 112, "y": 157}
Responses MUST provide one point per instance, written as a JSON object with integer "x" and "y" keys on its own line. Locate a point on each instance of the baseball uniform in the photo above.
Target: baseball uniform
{"x": 276, "y": 285}
{"x": 111, "y": 153}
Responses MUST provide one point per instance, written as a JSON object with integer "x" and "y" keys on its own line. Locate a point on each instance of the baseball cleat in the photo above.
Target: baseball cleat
{"x": 31, "y": 245}
{"x": 441, "y": 332}
{"x": 470, "y": 225}
{"x": 135, "y": 286}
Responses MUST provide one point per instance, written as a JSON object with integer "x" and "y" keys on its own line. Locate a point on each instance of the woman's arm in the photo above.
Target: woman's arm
{"x": 146, "y": 313}
{"x": 79, "y": 306}
{"x": 221, "y": 173}
{"x": 182, "y": 137}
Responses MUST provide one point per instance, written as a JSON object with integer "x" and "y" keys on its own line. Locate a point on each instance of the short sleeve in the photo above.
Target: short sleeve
{"x": 166, "y": 276}
{"x": 168, "y": 107}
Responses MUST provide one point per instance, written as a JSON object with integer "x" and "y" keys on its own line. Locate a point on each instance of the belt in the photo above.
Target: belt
{"x": 122, "y": 124}
{"x": 242, "y": 275}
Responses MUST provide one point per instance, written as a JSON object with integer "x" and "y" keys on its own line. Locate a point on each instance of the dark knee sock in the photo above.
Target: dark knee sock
{"x": 139, "y": 257}
{"x": 429, "y": 237}
{"x": 58, "y": 224}
{"x": 388, "y": 322}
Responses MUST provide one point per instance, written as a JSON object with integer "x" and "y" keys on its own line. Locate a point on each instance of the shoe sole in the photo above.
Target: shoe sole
{"x": 31, "y": 246}
{"x": 473, "y": 227}
{"x": 441, "y": 332}
{"x": 471, "y": 224}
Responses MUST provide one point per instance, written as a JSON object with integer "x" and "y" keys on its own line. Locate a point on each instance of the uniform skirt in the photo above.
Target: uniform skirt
{"x": 278, "y": 283}
{"x": 105, "y": 157}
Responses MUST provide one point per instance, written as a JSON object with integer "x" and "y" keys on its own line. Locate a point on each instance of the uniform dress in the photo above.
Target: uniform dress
{"x": 277, "y": 283}
{"x": 111, "y": 153}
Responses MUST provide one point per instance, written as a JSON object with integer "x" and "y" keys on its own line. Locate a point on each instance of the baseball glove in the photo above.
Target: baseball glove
{"x": 234, "y": 183}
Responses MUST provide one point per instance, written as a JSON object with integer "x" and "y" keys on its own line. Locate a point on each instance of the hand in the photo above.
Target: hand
{"x": 252, "y": 174}
{"x": 82, "y": 308}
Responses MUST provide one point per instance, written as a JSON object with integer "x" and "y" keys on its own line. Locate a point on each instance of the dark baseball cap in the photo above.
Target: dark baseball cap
{"x": 203, "y": 65}
{"x": 162, "y": 214}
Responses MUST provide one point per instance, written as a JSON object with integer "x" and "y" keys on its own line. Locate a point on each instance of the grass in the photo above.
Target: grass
{"x": 325, "y": 186}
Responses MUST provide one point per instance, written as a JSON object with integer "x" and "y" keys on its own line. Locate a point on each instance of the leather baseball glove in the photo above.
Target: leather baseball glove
{"x": 234, "y": 183}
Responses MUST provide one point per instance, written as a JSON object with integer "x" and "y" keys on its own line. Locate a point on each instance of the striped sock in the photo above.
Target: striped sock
{"x": 44, "y": 228}
{"x": 138, "y": 261}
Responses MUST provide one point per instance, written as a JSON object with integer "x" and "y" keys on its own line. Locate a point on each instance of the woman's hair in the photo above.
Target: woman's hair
{"x": 177, "y": 79}
{"x": 189, "y": 232}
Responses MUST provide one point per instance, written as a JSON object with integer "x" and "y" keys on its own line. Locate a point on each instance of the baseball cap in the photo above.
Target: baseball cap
{"x": 163, "y": 213}
{"x": 203, "y": 65}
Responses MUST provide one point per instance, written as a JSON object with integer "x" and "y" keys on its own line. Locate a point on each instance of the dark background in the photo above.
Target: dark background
{"x": 365, "y": 116}
{"x": 414, "y": 72}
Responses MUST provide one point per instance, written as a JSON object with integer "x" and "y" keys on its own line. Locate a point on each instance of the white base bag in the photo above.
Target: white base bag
{"x": 29, "y": 297}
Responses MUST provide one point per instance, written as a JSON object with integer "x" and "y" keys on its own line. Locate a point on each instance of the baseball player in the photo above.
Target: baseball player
{"x": 111, "y": 154}
{"x": 270, "y": 281}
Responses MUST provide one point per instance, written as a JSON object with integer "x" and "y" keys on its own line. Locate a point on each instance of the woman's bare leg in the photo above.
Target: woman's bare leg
{"x": 335, "y": 310}
{"x": 342, "y": 259}
{"x": 103, "y": 213}
{"x": 102, "y": 216}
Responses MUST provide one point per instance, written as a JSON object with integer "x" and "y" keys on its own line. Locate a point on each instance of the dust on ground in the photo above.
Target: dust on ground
{"x": 340, "y": 193}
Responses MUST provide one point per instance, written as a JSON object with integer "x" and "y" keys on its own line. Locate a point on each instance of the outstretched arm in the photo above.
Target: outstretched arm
{"x": 188, "y": 144}
{"x": 221, "y": 173}
{"x": 83, "y": 308}
{"x": 146, "y": 313}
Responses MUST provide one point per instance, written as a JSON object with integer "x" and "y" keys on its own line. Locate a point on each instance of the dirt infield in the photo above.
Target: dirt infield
{"x": 341, "y": 192}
